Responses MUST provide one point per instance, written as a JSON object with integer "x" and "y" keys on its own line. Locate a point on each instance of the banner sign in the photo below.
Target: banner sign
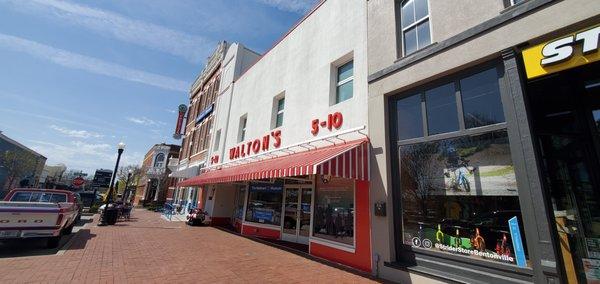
{"x": 265, "y": 187}
{"x": 205, "y": 113}
{"x": 515, "y": 233}
{"x": 181, "y": 115}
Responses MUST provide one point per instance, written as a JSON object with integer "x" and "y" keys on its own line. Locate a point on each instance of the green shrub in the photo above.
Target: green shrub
{"x": 94, "y": 208}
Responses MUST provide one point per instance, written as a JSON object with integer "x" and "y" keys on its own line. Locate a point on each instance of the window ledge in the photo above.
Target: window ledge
{"x": 462, "y": 270}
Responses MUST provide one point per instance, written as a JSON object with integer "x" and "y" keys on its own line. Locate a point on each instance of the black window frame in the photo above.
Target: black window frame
{"x": 406, "y": 255}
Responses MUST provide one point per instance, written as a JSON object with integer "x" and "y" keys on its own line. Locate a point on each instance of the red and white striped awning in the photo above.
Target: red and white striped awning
{"x": 347, "y": 160}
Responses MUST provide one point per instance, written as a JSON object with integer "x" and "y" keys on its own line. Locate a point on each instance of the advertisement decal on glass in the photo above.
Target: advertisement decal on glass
{"x": 515, "y": 233}
{"x": 263, "y": 215}
{"x": 458, "y": 196}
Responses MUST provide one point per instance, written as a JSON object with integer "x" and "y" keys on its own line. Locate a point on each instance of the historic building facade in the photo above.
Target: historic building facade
{"x": 204, "y": 94}
{"x": 289, "y": 158}
{"x": 155, "y": 186}
{"x": 486, "y": 121}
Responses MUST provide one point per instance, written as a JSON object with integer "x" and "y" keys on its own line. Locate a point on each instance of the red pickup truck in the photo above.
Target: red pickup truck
{"x": 39, "y": 213}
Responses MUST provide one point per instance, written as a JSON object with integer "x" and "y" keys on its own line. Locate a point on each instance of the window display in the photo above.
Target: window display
{"x": 334, "y": 210}
{"x": 239, "y": 202}
{"x": 264, "y": 203}
{"x": 460, "y": 196}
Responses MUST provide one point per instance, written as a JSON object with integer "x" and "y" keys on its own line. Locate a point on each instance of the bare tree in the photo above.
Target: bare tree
{"x": 17, "y": 163}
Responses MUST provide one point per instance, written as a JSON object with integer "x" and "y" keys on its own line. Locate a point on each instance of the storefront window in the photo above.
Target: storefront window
{"x": 239, "y": 202}
{"x": 481, "y": 99}
{"x": 264, "y": 203}
{"x": 460, "y": 196}
{"x": 334, "y": 210}
{"x": 410, "y": 117}
{"x": 441, "y": 109}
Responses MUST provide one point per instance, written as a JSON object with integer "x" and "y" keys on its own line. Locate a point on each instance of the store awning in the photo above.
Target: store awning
{"x": 347, "y": 160}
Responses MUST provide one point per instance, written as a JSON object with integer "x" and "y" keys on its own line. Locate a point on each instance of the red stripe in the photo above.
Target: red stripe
{"x": 340, "y": 169}
{"x": 347, "y": 164}
{"x": 326, "y": 168}
{"x": 365, "y": 161}
{"x": 333, "y": 163}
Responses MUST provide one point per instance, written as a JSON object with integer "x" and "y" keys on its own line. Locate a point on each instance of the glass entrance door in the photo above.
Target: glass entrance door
{"x": 566, "y": 111}
{"x": 296, "y": 214}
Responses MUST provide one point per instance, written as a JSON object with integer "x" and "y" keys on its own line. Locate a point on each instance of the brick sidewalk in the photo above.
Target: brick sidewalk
{"x": 149, "y": 249}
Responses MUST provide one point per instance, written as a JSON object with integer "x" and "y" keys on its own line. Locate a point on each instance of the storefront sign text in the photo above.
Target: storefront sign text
{"x": 214, "y": 159}
{"x": 205, "y": 113}
{"x": 567, "y": 52}
{"x": 256, "y": 146}
{"x": 334, "y": 120}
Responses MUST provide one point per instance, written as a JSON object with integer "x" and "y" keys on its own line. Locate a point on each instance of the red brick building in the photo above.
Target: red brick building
{"x": 155, "y": 185}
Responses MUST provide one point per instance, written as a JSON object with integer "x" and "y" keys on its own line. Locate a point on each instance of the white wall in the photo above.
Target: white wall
{"x": 237, "y": 60}
{"x": 224, "y": 201}
{"x": 301, "y": 66}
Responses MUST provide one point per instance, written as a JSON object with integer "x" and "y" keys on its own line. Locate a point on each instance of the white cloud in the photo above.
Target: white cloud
{"x": 90, "y": 64}
{"x": 296, "y": 6}
{"x": 191, "y": 47}
{"x": 85, "y": 156}
{"x": 76, "y": 133}
{"x": 170, "y": 110}
{"x": 145, "y": 121}
{"x": 76, "y": 154}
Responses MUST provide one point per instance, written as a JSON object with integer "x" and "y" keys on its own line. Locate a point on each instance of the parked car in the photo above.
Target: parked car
{"x": 39, "y": 213}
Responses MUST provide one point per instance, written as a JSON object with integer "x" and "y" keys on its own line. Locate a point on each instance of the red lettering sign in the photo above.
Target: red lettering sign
{"x": 214, "y": 159}
{"x": 256, "y": 146}
{"x": 334, "y": 120}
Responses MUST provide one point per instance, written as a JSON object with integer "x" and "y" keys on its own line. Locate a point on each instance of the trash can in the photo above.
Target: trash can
{"x": 111, "y": 215}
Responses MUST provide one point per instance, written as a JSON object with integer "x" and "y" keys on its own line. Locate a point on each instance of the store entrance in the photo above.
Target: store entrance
{"x": 565, "y": 110}
{"x": 296, "y": 211}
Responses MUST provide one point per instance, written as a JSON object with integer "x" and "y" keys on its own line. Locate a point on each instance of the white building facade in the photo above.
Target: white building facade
{"x": 289, "y": 156}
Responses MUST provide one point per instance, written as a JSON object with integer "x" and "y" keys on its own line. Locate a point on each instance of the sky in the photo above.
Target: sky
{"x": 78, "y": 77}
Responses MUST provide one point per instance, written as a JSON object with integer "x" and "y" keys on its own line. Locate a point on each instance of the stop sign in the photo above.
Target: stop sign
{"x": 78, "y": 181}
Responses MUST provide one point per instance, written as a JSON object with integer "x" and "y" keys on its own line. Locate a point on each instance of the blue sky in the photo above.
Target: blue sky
{"x": 77, "y": 77}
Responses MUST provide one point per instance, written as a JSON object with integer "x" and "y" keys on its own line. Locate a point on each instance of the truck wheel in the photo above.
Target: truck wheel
{"x": 52, "y": 242}
{"x": 68, "y": 230}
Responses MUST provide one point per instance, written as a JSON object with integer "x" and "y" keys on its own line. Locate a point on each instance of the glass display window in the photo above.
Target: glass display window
{"x": 460, "y": 196}
{"x": 264, "y": 203}
{"x": 334, "y": 210}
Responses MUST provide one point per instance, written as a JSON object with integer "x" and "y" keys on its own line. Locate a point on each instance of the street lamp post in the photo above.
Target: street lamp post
{"x": 104, "y": 221}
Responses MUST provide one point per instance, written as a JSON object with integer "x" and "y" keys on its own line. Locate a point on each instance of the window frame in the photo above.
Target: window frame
{"x": 157, "y": 161}
{"x": 462, "y": 130}
{"x": 279, "y": 111}
{"x": 312, "y": 235}
{"x": 242, "y": 128}
{"x": 405, "y": 255}
{"x": 413, "y": 25}
{"x": 275, "y": 111}
{"x": 343, "y": 82}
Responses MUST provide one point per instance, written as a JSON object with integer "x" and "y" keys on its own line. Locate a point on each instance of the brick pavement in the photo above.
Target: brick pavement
{"x": 148, "y": 249}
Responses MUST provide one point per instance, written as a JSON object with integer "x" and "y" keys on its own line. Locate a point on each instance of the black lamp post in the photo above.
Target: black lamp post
{"x": 108, "y": 212}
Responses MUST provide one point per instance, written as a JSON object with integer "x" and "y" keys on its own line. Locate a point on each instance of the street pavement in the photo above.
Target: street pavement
{"x": 149, "y": 249}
